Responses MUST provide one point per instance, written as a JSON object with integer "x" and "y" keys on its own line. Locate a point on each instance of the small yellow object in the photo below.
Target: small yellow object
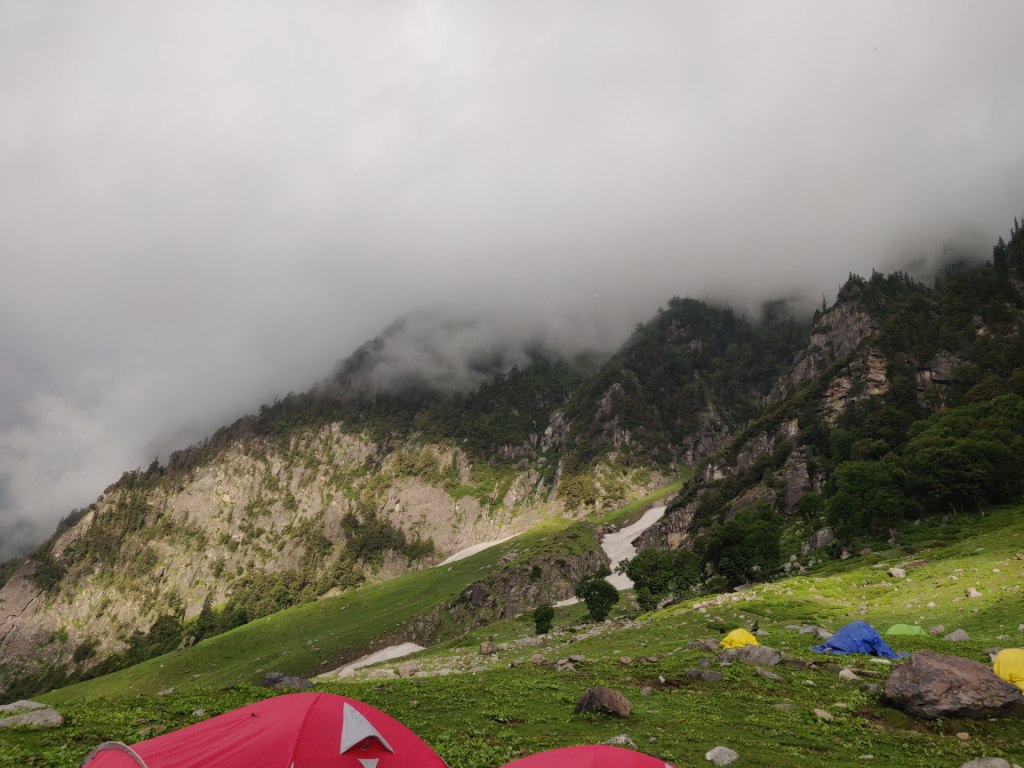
{"x": 738, "y": 638}
{"x": 1009, "y": 665}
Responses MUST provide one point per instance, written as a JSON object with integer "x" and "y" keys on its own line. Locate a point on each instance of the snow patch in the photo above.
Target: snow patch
{"x": 462, "y": 554}
{"x": 386, "y": 654}
{"x": 618, "y": 545}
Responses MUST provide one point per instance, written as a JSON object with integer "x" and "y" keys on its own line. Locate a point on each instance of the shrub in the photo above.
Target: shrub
{"x": 598, "y": 595}
{"x": 543, "y": 617}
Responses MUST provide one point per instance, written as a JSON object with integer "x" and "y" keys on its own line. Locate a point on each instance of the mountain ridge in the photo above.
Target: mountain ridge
{"x": 323, "y": 490}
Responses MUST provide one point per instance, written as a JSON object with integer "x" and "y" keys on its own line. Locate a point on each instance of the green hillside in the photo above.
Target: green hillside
{"x": 336, "y": 629}
{"x": 511, "y": 706}
{"x": 332, "y": 630}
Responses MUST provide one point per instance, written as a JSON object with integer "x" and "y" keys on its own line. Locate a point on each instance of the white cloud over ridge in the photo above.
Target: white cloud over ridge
{"x": 205, "y": 205}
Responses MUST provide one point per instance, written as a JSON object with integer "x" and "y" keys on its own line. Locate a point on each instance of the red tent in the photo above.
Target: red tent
{"x": 589, "y": 756}
{"x": 298, "y": 730}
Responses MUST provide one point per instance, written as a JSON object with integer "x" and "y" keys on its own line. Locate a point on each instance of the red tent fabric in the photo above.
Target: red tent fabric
{"x": 589, "y": 756}
{"x": 298, "y": 730}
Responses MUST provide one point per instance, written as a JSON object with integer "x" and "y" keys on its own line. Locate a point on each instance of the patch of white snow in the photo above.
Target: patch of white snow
{"x": 618, "y": 545}
{"x": 462, "y": 554}
{"x": 386, "y": 654}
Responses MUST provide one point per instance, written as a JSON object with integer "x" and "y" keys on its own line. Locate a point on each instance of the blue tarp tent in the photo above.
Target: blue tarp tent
{"x": 858, "y": 637}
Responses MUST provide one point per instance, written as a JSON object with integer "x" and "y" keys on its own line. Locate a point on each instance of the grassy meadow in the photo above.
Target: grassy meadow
{"x": 511, "y": 706}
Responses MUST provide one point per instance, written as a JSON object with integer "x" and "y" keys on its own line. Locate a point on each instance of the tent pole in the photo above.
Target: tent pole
{"x": 117, "y": 746}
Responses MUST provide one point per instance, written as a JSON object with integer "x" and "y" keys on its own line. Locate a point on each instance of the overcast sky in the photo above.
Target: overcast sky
{"x": 206, "y": 204}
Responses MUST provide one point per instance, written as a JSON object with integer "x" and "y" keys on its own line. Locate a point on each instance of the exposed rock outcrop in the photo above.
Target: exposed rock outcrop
{"x": 510, "y": 590}
{"x": 937, "y": 371}
{"x": 836, "y": 334}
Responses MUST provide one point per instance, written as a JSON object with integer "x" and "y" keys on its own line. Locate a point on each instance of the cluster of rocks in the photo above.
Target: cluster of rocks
{"x": 278, "y": 680}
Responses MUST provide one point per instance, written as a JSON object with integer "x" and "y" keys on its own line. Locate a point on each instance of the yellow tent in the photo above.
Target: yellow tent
{"x": 737, "y": 638}
{"x": 1009, "y": 665}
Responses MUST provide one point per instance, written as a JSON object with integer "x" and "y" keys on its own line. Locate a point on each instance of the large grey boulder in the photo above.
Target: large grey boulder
{"x": 721, "y": 756}
{"x": 932, "y": 685}
{"x": 758, "y": 655}
{"x": 22, "y": 705}
{"x": 39, "y": 718}
{"x": 817, "y": 540}
{"x": 605, "y": 700}
{"x": 819, "y": 632}
{"x": 704, "y": 644}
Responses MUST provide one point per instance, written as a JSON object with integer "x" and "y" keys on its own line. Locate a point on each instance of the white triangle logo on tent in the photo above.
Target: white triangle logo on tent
{"x": 355, "y": 729}
{"x": 369, "y": 763}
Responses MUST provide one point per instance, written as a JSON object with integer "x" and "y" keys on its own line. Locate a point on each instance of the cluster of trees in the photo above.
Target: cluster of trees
{"x": 742, "y": 550}
{"x": 598, "y": 595}
{"x": 369, "y": 537}
{"x": 690, "y": 355}
{"x": 955, "y": 461}
{"x": 658, "y": 573}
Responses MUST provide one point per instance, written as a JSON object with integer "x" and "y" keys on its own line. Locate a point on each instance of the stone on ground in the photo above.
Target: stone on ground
{"x": 39, "y": 718}
{"x": 605, "y": 700}
{"x": 759, "y": 655}
{"x": 22, "y": 705}
{"x": 707, "y": 675}
{"x": 931, "y": 685}
{"x": 622, "y": 740}
{"x": 721, "y": 756}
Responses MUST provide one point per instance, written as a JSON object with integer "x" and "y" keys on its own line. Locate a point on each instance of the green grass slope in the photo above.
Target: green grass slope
{"x": 300, "y": 639}
{"x": 512, "y": 706}
{"x": 336, "y": 629}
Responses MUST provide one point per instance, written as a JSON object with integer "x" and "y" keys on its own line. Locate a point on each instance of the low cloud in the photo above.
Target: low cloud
{"x": 203, "y": 206}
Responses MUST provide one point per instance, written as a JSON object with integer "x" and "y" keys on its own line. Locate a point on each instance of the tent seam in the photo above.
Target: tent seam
{"x": 302, "y": 727}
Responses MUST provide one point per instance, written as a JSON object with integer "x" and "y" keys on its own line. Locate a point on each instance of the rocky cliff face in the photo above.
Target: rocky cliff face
{"x": 140, "y": 553}
{"x": 515, "y": 586}
{"x": 837, "y": 334}
{"x": 840, "y": 367}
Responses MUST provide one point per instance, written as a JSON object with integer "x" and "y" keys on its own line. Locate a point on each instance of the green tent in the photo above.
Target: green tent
{"x": 905, "y": 629}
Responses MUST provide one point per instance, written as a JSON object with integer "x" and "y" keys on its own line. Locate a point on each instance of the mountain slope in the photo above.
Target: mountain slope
{"x": 515, "y": 706}
{"x": 384, "y": 469}
{"x": 854, "y": 436}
